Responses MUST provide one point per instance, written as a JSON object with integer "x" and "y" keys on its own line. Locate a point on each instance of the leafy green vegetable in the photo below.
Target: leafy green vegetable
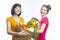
{"x": 33, "y": 23}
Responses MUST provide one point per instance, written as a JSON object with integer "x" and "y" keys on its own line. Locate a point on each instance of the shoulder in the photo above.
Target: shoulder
{"x": 9, "y": 18}
{"x": 45, "y": 20}
{"x": 21, "y": 19}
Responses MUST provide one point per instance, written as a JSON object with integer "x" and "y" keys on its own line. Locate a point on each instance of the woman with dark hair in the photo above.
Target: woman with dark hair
{"x": 44, "y": 22}
{"x": 13, "y": 9}
{"x": 14, "y": 22}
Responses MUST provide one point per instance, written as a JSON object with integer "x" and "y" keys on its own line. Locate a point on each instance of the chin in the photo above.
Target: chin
{"x": 42, "y": 14}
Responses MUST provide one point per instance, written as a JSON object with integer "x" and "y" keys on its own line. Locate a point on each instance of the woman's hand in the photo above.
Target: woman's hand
{"x": 24, "y": 33}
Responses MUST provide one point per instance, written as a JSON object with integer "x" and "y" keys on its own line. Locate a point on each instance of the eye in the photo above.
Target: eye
{"x": 41, "y": 9}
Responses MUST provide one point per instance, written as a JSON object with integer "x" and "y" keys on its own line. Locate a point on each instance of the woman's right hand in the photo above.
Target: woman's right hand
{"x": 24, "y": 33}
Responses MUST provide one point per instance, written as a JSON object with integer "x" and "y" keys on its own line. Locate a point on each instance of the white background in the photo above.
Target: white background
{"x": 31, "y": 8}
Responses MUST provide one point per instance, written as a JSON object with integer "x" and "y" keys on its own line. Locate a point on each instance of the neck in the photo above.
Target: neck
{"x": 15, "y": 15}
{"x": 43, "y": 16}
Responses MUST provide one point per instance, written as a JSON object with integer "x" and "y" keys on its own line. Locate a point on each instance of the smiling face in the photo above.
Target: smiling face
{"x": 43, "y": 11}
{"x": 17, "y": 10}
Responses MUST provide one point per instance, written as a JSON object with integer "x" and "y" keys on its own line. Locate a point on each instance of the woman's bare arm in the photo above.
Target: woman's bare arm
{"x": 42, "y": 28}
{"x": 9, "y": 31}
